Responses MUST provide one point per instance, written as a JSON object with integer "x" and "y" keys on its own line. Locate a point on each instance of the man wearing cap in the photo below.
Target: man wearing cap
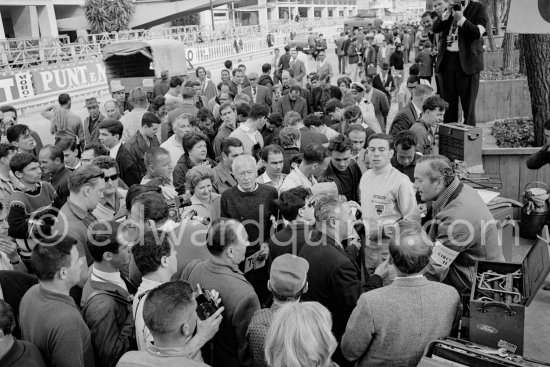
{"x": 257, "y": 93}
{"x": 163, "y": 85}
{"x": 119, "y": 94}
{"x": 368, "y": 113}
{"x": 287, "y": 282}
{"x": 384, "y": 82}
{"x": 91, "y": 133}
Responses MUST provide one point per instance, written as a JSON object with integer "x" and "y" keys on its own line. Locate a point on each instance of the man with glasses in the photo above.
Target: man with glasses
{"x": 408, "y": 115}
{"x": 86, "y": 185}
{"x": 112, "y": 205}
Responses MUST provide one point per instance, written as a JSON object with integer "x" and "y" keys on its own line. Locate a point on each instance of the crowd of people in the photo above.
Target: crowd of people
{"x": 276, "y": 218}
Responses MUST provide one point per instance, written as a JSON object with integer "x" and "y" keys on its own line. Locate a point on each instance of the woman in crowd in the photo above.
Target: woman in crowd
{"x": 208, "y": 88}
{"x": 204, "y": 201}
{"x": 344, "y": 85}
{"x": 195, "y": 154}
{"x": 300, "y": 336}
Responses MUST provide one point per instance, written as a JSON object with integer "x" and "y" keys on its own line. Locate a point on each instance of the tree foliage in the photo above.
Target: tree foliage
{"x": 108, "y": 15}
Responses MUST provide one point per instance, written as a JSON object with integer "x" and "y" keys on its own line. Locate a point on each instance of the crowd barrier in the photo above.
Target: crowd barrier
{"x": 78, "y": 69}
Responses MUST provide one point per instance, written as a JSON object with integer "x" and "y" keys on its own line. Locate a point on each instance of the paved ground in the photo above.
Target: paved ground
{"x": 537, "y": 318}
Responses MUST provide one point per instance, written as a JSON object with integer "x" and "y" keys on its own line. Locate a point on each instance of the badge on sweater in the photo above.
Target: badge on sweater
{"x": 379, "y": 209}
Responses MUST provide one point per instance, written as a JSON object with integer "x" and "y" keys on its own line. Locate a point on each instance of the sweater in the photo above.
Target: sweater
{"x": 53, "y": 323}
{"x": 249, "y": 145}
{"x": 27, "y": 208}
{"x": 387, "y": 196}
{"x": 257, "y": 205}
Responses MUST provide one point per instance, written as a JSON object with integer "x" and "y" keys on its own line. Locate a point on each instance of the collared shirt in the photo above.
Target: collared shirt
{"x": 418, "y": 110}
{"x": 155, "y": 356}
{"x": 114, "y": 151}
{"x": 442, "y": 200}
{"x": 175, "y": 148}
{"x": 265, "y": 179}
{"x": 410, "y": 277}
{"x": 143, "y": 335}
{"x": 250, "y": 132}
{"x": 297, "y": 178}
{"x": 114, "y": 278}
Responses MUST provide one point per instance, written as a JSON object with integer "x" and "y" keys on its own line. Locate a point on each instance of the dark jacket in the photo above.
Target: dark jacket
{"x": 405, "y": 118}
{"x": 309, "y": 137}
{"x": 330, "y": 176}
{"x": 291, "y": 155}
{"x": 22, "y": 354}
{"x": 334, "y": 279}
{"x": 137, "y": 147}
{"x": 182, "y": 167}
{"x": 409, "y": 170}
{"x": 289, "y": 240}
{"x": 91, "y": 135}
{"x": 266, "y": 81}
{"x": 424, "y": 137}
{"x": 284, "y": 63}
{"x": 315, "y": 98}
{"x": 283, "y": 106}
{"x": 14, "y": 285}
{"x": 107, "y": 310}
{"x": 60, "y": 182}
{"x": 470, "y": 41}
{"x": 127, "y": 167}
{"x": 378, "y": 84}
{"x": 240, "y": 303}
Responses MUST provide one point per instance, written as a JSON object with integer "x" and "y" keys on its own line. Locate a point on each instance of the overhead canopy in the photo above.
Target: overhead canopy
{"x": 165, "y": 54}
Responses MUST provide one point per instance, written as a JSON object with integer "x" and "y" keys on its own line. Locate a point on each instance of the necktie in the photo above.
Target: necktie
{"x": 254, "y": 94}
{"x": 292, "y": 64}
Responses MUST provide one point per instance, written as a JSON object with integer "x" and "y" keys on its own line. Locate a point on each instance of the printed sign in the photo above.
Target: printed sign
{"x": 443, "y": 255}
{"x": 536, "y": 11}
{"x": 8, "y": 89}
{"x": 24, "y": 84}
{"x": 508, "y": 346}
{"x": 68, "y": 77}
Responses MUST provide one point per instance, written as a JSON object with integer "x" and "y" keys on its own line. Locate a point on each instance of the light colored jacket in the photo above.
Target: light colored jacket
{"x": 391, "y": 326}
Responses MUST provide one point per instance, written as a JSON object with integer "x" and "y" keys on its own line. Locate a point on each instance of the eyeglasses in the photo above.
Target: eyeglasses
{"x": 112, "y": 178}
{"x": 99, "y": 175}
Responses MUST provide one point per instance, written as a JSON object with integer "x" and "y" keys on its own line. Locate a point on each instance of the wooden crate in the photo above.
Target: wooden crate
{"x": 495, "y": 59}
{"x": 498, "y": 99}
{"x": 510, "y": 164}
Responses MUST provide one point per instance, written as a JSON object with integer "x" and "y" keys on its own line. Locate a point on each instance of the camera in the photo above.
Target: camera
{"x": 457, "y": 6}
{"x": 193, "y": 216}
{"x": 206, "y": 306}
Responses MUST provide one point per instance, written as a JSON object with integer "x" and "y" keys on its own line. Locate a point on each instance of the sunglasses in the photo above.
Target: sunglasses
{"x": 112, "y": 178}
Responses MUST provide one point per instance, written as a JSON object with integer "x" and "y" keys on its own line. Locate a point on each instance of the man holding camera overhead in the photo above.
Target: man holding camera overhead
{"x": 460, "y": 57}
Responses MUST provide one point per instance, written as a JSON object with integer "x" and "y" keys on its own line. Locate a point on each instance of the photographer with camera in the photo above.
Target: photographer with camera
{"x": 227, "y": 241}
{"x": 460, "y": 56}
{"x": 169, "y": 313}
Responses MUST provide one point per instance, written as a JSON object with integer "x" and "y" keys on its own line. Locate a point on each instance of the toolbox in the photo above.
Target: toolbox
{"x": 460, "y": 142}
{"x": 501, "y": 292}
{"x": 451, "y": 352}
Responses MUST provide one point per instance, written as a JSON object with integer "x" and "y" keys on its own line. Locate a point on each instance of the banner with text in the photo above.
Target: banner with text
{"x": 529, "y": 16}
{"x": 64, "y": 78}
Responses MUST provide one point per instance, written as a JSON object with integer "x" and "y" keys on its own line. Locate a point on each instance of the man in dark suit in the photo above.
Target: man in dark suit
{"x": 236, "y": 84}
{"x": 257, "y": 93}
{"x": 460, "y": 56}
{"x": 334, "y": 277}
{"x": 340, "y": 53}
{"x": 408, "y": 115}
{"x": 291, "y": 102}
{"x": 296, "y": 67}
{"x": 320, "y": 95}
{"x": 384, "y": 82}
{"x": 284, "y": 61}
{"x": 110, "y": 132}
